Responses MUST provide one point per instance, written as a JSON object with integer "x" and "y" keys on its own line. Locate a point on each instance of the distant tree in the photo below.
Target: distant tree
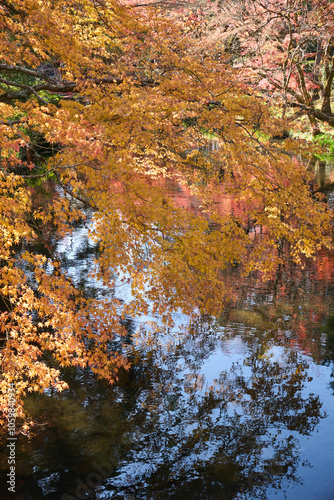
{"x": 284, "y": 48}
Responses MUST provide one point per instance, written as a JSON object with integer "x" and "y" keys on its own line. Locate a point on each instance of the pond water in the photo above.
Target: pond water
{"x": 240, "y": 407}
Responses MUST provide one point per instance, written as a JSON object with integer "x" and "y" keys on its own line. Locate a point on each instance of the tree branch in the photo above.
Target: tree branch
{"x": 22, "y": 86}
{"x": 320, "y": 115}
{"x": 25, "y": 71}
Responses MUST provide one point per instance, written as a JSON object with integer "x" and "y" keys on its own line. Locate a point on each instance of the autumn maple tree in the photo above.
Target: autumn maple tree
{"x": 108, "y": 106}
{"x": 284, "y": 48}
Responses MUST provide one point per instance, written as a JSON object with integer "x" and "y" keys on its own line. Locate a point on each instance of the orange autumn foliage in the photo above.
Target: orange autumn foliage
{"x": 123, "y": 106}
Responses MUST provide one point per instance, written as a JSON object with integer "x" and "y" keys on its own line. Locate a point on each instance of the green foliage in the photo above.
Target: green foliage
{"x": 327, "y": 141}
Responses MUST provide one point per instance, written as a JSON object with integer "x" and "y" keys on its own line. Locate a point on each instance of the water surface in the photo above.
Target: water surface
{"x": 238, "y": 407}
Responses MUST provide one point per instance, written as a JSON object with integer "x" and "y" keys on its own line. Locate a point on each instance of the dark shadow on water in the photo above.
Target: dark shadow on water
{"x": 169, "y": 430}
{"x": 217, "y": 412}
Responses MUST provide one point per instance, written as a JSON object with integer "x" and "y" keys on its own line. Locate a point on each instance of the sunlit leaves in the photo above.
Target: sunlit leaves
{"x": 142, "y": 113}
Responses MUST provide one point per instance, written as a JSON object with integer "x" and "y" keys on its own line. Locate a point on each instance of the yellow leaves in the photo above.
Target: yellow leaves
{"x": 307, "y": 247}
{"x": 132, "y": 144}
{"x": 274, "y": 212}
{"x": 14, "y": 208}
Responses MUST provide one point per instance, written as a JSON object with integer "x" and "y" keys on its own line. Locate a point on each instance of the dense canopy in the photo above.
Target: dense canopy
{"x": 101, "y": 106}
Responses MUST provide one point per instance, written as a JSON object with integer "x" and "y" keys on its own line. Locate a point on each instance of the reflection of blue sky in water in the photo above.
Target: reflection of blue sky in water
{"x": 226, "y": 410}
{"x": 178, "y": 407}
{"x": 185, "y": 422}
{"x": 318, "y": 449}
{"x": 77, "y": 253}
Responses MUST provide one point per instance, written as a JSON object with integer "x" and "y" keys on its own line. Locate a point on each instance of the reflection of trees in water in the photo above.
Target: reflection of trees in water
{"x": 175, "y": 435}
{"x": 232, "y": 439}
{"x": 328, "y": 358}
{"x": 170, "y": 433}
{"x": 293, "y": 305}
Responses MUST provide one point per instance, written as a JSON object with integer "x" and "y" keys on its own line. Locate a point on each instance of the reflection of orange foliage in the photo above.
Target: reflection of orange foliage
{"x": 184, "y": 198}
{"x": 224, "y": 203}
{"x": 315, "y": 304}
{"x": 324, "y": 266}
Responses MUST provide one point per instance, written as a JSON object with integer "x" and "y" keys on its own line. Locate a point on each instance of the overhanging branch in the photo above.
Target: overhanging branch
{"x": 320, "y": 115}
